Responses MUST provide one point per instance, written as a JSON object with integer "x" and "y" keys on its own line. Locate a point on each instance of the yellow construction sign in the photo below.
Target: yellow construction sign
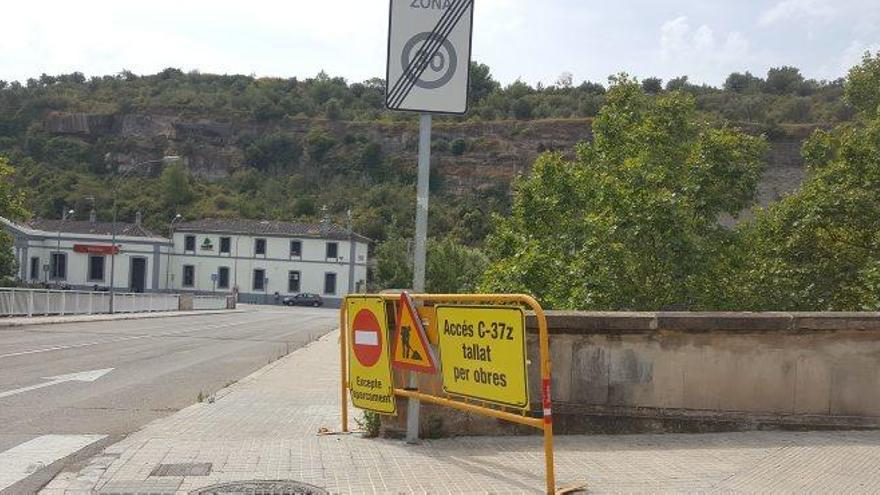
{"x": 411, "y": 349}
{"x": 483, "y": 353}
{"x": 482, "y": 344}
{"x": 369, "y": 367}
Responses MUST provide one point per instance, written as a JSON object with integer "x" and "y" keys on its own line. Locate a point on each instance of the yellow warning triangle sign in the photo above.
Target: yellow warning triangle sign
{"x": 410, "y": 349}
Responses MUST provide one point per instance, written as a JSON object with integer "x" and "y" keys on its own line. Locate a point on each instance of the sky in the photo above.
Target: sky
{"x": 531, "y": 40}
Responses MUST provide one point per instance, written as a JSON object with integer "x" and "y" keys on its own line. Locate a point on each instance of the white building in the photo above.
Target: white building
{"x": 255, "y": 258}
{"x": 262, "y": 258}
{"x": 78, "y": 253}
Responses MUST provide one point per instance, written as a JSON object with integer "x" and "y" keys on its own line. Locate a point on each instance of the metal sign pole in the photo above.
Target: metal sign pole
{"x": 421, "y": 248}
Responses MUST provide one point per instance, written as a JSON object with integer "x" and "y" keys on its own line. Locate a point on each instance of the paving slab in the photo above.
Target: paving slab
{"x": 265, "y": 428}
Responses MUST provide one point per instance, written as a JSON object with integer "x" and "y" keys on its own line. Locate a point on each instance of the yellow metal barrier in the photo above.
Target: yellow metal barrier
{"x": 544, "y": 423}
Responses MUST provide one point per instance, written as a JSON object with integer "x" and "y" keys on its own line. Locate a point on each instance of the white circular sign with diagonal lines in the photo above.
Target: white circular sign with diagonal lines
{"x": 429, "y": 54}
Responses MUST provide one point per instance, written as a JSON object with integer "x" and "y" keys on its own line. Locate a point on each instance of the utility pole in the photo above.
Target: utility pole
{"x": 174, "y": 220}
{"x": 427, "y": 72}
{"x": 352, "y": 252}
{"x": 419, "y": 257}
{"x": 57, "y": 261}
{"x": 164, "y": 160}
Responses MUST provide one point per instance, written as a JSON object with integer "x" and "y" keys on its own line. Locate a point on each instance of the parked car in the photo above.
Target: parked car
{"x": 303, "y": 299}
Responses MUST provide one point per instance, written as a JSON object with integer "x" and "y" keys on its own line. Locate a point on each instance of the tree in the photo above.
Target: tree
{"x": 678, "y": 84}
{"x": 631, "y": 222}
{"x": 371, "y": 157}
{"x": 12, "y": 208}
{"x": 819, "y": 248}
{"x": 652, "y": 85}
{"x": 522, "y": 109}
{"x": 458, "y": 146}
{"x": 319, "y": 143}
{"x": 176, "y": 189}
{"x": 743, "y": 83}
{"x": 565, "y": 80}
{"x": 451, "y": 267}
{"x": 481, "y": 82}
{"x": 861, "y": 87}
{"x": 784, "y": 80}
{"x": 276, "y": 152}
{"x": 333, "y": 109}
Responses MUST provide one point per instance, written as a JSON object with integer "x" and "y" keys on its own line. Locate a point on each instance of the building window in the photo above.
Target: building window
{"x": 35, "y": 268}
{"x": 296, "y": 249}
{"x": 293, "y": 282}
{"x": 96, "y": 268}
{"x": 332, "y": 250}
{"x": 58, "y": 268}
{"x": 330, "y": 283}
{"x": 259, "y": 279}
{"x": 189, "y": 276}
{"x": 260, "y": 246}
{"x": 225, "y": 245}
{"x": 223, "y": 277}
{"x": 189, "y": 243}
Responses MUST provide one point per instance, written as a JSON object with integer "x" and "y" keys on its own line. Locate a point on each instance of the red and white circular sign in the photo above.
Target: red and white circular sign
{"x": 367, "y": 338}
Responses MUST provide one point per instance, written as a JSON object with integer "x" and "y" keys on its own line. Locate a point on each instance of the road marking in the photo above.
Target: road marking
{"x": 26, "y": 459}
{"x": 82, "y": 376}
{"x": 132, "y": 337}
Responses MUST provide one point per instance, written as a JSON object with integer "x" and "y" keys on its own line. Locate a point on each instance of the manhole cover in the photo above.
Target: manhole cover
{"x": 261, "y": 488}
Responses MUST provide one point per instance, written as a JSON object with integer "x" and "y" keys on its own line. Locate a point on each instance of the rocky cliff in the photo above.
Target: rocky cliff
{"x": 495, "y": 152}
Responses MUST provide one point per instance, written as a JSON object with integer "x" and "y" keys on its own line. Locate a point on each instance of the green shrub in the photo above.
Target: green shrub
{"x": 458, "y": 146}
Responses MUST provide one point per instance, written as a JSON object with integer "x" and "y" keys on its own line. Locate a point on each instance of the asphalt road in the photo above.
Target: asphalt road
{"x": 156, "y": 367}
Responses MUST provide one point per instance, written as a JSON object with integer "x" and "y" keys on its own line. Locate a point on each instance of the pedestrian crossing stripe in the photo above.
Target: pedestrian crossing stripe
{"x": 410, "y": 349}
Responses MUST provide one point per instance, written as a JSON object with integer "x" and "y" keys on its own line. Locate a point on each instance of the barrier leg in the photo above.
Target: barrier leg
{"x": 343, "y": 366}
{"x": 546, "y": 397}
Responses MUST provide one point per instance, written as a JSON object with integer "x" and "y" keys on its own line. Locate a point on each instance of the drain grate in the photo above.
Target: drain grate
{"x": 183, "y": 469}
{"x": 261, "y": 488}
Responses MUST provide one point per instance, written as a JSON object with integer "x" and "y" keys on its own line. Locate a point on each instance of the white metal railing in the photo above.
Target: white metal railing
{"x": 46, "y": 302}
{"x": 209, "y": 302}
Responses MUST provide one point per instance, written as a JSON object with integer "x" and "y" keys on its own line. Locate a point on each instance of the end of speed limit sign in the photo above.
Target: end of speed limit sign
{"x": 429, "y": 55}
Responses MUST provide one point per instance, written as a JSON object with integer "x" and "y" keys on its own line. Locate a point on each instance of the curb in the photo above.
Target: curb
{"x": 127, "y": 316}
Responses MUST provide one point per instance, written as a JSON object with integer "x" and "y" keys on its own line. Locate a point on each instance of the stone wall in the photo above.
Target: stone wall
{"x": 636, "y": 372}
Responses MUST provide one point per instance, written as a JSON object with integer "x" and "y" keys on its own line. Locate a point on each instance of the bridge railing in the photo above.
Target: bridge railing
{"x": 49, "y": 302}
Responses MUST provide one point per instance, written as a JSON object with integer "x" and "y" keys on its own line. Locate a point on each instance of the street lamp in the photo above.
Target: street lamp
{"x": 64, "y": 215}
{"x": 167, "y": 160}
{"x": 177, "y": 218}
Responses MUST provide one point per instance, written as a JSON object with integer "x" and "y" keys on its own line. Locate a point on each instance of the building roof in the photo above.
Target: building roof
{"x": 324, "y": 230}
{"x": 87, "y": 227}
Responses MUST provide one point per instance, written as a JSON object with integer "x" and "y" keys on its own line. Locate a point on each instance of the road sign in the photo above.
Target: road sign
{"x": 214, "y": 277}
{"x": 429, "y": 53}
{"x": 483, "y": 353}
{"x": 368, "y": 363}
{"x": 411, "y": 349}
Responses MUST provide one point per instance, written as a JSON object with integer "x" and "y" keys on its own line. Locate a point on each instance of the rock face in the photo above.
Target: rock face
{"x": 495, "y": 152}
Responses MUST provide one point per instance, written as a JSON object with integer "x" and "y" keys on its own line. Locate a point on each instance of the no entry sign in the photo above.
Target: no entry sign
{"x": 429, "y": 53}
{"x": 367, "y": 338}
{"x": 369, "y": 365}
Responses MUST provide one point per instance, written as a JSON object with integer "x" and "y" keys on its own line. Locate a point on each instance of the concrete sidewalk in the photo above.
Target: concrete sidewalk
{"x": 52, "y": 320}
{"x": 264, "y": 428}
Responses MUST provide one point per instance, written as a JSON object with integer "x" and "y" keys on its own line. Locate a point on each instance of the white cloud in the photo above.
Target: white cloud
{"x": 853, "y": 54}
{"x": 700, "y": 52}
{"x": 793, "y": 10}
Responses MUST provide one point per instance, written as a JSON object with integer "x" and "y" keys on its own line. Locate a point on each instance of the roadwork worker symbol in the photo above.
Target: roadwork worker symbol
{"x": 411, "y": 348}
